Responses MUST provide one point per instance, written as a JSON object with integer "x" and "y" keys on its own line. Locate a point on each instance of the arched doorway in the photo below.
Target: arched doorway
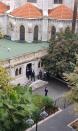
{"x": 22, "y": 33}
{"x": 36, "y": 33}
{"x": 28, "y": 70}
{"x": 53, "y": 32}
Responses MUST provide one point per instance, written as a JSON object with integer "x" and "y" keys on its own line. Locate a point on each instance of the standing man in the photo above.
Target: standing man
{"x": 40, "y": 74}
{"x": 33, "y": 75}
{"x": 46, "y": 91}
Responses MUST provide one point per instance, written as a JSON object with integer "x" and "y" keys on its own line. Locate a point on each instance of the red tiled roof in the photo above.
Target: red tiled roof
{"x": 61, "y": 12}
{"x": 27, "y": 11}
{"x": 3, "y": 8}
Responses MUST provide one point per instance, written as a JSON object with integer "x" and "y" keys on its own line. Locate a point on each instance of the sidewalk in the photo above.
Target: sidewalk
{"x": 59, "y": 122}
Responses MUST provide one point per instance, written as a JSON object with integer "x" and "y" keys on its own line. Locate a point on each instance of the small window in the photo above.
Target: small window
{"x": 32, "y": 1}
{"x": 58, "y": 1}
{"x": 16, "y": 72}
{"x": 20, "y": 71}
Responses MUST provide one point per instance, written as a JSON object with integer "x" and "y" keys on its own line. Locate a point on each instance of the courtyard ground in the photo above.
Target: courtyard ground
{"x": 60, "y": 121}
{"x": 56, "y": 89}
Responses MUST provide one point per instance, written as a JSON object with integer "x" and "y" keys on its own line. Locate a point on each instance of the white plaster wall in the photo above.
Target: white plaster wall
{"x": 59, "y": 25}
{"x": 3, "y": 24}
{"x": 6, "y": 1}
{"x": 22, "y": 79}
{"x": 15, "y": 34}
{"x": 50, "y": 4}
{"x": 45, "y": 29}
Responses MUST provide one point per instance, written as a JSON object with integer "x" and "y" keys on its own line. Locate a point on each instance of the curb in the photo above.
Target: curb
{"x": 64, "y": 82}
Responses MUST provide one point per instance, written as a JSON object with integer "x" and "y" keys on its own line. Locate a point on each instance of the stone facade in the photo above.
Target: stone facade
{"x": 44, "y": 24}
{"x": 41, "y": 27}
{"x": 21, "y": 63}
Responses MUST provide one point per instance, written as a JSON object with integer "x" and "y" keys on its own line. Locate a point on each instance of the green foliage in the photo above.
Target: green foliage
{"x": 1, "y": 35}
{"x": 48, "y": 102}
{"x": 61, "y": 56}
{"x": 72, "y": 80}
{"x": 4, "y": 78}
{"x": 42, "y": 101}
{"x": 18, "y": 104}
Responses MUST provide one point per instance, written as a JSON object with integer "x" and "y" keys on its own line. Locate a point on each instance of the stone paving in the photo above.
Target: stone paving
{"x": 60, "y": 121}
{"x": 56, "y": 89}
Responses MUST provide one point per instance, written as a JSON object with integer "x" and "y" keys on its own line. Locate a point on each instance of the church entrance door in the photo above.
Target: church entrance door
{"x": 29, "y": 70}
{"x": 22, "y": 33}
{"x": 36, "y": 33}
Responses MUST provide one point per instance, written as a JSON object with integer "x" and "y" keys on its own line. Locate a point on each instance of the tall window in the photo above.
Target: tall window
{"x": 32, "y": 1}
{"x": 58, "y": 1}
{"x": 36, "y": 33}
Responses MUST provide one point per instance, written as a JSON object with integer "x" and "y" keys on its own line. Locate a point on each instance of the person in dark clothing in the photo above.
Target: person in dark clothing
{"x": 27, "y": 73}
{"x": 40, "y": 74}
{"x": 46, "y": 91}
{"x": 33, "y": 75}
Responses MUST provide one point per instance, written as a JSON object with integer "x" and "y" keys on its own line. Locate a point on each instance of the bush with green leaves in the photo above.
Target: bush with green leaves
{"x": 17, "y": 104}
{"x": 61, "y": 56}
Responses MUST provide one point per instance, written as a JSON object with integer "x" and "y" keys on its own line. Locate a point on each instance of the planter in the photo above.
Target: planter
{"x": 74, "y": 124}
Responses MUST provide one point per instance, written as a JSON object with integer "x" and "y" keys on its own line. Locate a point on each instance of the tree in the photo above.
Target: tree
{"x": 61, "y": 56}
{"x": 4, "y": 78}
{"x": 72, "y": 80}
{"x": 17, "y": 104}
{"x": 74, "y": 16}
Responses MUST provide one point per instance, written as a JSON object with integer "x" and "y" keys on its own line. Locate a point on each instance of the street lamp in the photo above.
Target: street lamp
{"x": 30, "y": 121}
{"x": 43, "y": 115}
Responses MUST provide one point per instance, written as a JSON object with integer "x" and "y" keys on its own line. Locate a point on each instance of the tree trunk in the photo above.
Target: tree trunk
{"x": 74, "y": 16}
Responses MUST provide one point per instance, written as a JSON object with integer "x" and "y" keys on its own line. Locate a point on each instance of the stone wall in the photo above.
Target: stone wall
{"x": 21, "y": 62}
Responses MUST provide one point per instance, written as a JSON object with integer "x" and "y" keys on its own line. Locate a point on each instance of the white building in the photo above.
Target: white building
{"x": 35, "y": 20}
{"x": 32, "y": 20}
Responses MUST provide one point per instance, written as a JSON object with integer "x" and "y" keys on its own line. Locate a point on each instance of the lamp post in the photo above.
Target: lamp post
{"x": 30, "y": 121}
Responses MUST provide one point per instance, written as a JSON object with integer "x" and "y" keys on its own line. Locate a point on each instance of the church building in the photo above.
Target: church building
{"x": 35, "y": 20}
{"x": 28, "y": 25}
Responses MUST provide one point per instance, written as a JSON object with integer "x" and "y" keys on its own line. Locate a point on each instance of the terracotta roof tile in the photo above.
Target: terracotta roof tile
{"x": 61, "y": 12}
{"x": 27, "y": 11}
{"x": 3, "y": 8}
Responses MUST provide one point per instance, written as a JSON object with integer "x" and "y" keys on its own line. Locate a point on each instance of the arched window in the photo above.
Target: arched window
{"x": 22, "y": 33}
{"x": 20, "y": 71}
{"x": 53, "y": 32}
{"x": 16, "y": 72}
{"x": 36, "y": 33}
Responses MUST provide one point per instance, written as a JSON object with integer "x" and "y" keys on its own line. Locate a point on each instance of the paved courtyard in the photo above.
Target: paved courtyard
{"x": 60, "y": 121}
{"x": 55, "y": 89}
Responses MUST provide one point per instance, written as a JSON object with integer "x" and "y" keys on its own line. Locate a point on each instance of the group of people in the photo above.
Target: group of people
{"x": 30, "y": 74}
